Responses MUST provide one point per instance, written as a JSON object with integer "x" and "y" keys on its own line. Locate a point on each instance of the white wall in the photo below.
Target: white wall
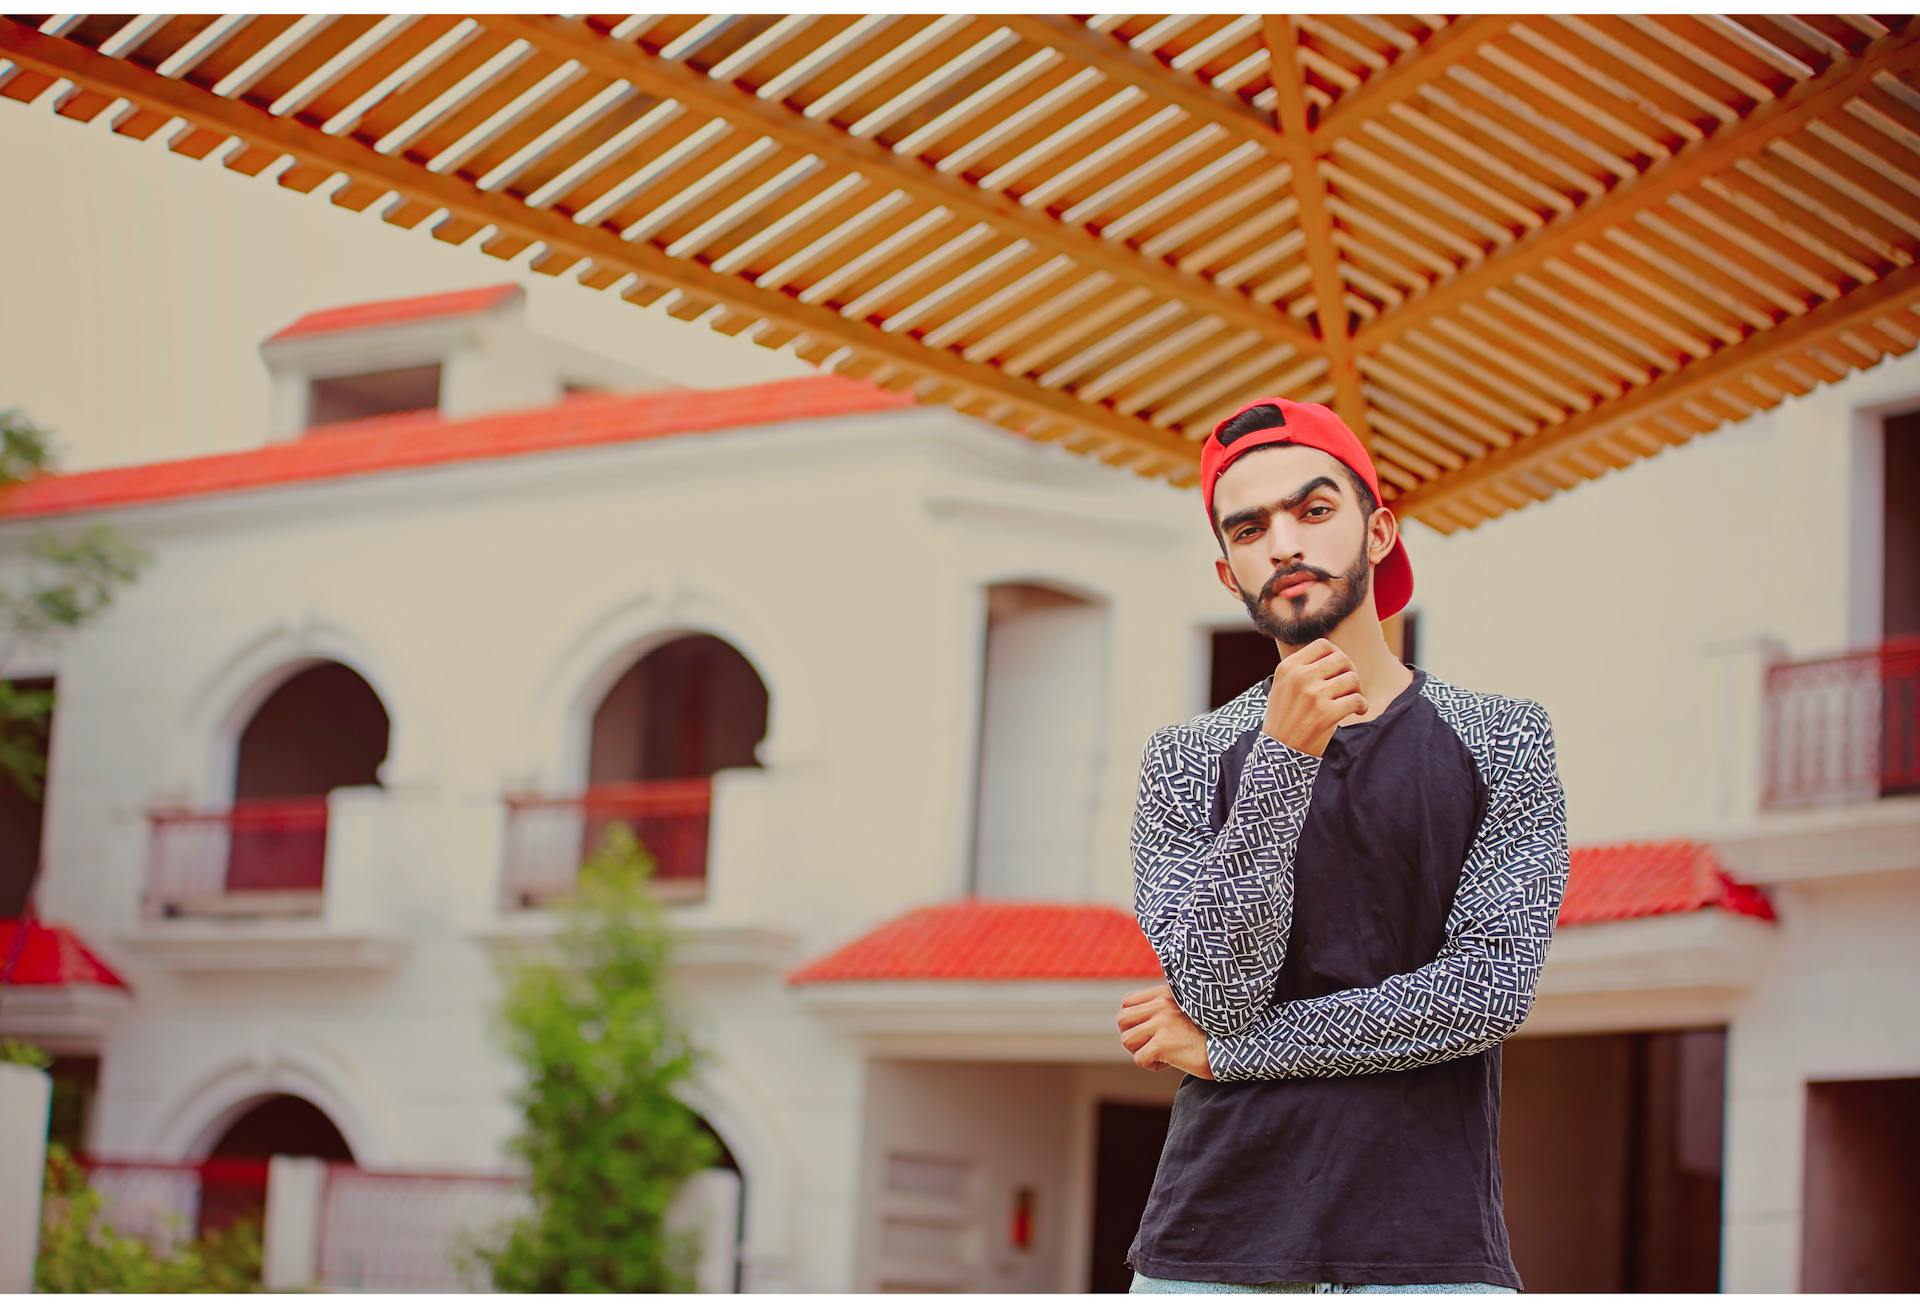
{"x": 947, "y": 1148}
{"x": 1836, "y": 1004}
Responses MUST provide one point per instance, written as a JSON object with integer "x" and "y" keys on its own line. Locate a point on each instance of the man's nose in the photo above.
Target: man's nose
{"x": 1283, "y": 542}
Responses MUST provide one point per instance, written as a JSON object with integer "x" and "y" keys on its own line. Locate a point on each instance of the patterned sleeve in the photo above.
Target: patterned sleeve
{"x": 1480, "y": 988}
{"x": 1217, "y": 908}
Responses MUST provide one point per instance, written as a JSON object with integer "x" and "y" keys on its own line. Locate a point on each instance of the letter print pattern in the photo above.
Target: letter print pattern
{"x": 1480, "y": 987}
{"x": 1218, "y": 908}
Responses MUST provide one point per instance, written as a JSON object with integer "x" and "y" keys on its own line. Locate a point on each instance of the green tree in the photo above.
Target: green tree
{"x": 67, "y": 579}
{"x": 606, "y": 1142}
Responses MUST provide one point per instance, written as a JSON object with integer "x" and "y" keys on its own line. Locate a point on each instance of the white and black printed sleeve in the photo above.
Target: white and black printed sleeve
{"x": 1218, "y": 908}
{"x": 1480, "y": 987}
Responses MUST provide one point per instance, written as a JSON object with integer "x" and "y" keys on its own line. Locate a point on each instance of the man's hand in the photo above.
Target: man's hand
{"x": 1315, "y": 689}
{"x": 1159, "y": 1035}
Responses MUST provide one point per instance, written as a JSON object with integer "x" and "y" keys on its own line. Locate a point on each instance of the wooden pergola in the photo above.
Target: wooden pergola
{"x": 1512, "y": 251}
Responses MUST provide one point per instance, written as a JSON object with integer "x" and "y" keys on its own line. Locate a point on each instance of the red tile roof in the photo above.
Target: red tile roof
{"x": 48, "y": 956}
{"x": 424, "y": 438}
{"x": 384, "y": 313}
{"x": 980, "y": 940}
{"x": 1644, "y": 879}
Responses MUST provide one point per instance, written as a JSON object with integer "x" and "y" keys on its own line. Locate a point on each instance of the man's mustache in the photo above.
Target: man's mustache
{"x": 1291, "y": 575}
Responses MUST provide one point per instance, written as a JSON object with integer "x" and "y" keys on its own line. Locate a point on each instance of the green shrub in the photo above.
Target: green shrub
{"x": 80, "y": 1253}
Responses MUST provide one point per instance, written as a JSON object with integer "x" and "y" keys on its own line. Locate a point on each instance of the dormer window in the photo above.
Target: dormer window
{"x": 371, "y": 394}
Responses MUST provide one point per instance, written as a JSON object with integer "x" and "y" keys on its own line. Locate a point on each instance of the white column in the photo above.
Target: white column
{"x": 1738, "y": 718}
{"x": 26, "y": 1093}
{"x": 296, "y": 1187}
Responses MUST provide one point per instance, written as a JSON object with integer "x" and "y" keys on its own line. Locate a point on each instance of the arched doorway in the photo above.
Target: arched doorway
{"x": 681, "y": 713}
{"x": 678, "y": 714}
{"x": 233, "y": 1176}
{"x": 320, "y": 729}
{"x": 687, "y": 709}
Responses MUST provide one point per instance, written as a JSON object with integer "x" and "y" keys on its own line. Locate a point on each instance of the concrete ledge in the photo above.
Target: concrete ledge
{"x": 262, "y": 946}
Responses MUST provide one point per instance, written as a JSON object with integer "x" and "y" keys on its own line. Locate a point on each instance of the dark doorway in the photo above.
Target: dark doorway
{"x": 1862, "y": 1192}
{"x": 688, "y": 709}
{"x": 233, "y": 1179}
{"x": 1900, "y": 608}
{"x": 1610, "y": 1149}
{"x": 322, "y": 728}
{"x": 1900, "y": 552}
{"x": 22, "y": 808}
{"x": 1126, "y": 1155}
{"x": 1239, "y": 659}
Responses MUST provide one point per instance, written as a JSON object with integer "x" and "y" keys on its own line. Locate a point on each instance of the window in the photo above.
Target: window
{"x": 370, "y": 394}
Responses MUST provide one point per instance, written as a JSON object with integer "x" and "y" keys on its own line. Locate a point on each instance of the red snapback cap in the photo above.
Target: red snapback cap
{"x": 1316, "y": 427}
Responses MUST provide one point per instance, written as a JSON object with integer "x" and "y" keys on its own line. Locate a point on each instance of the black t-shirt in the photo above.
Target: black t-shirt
{"x": 1353, "y": 990}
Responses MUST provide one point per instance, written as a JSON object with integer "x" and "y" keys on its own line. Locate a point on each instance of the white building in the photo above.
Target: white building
{"x": 871, "y": 679}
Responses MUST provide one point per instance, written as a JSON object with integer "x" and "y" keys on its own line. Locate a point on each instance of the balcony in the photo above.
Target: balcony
{"x": 260, "y": 858}
{"x": 1843, "y": 729}
{"x": 549, "y": 837}
{"x": 279, "y": 885}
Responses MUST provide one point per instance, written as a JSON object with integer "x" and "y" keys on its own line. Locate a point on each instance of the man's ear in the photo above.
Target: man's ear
{"x": 1383, "y": 529}
{"x": 1224, "y": 570}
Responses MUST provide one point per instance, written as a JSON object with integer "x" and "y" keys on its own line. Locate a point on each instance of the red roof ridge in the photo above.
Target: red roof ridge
{"x": 412, "y": 308}
{"x": 425, "y": 438}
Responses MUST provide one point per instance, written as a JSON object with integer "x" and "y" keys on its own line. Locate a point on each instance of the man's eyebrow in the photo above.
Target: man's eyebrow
{"x": 1291, "y": 502}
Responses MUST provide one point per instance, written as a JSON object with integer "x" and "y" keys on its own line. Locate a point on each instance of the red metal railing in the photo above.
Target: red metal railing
{"x": 264, "y": 856}
{"x": 548, "y": 837}
{"x": 1844, "y": 728}
{"x": 166, "y": 1202}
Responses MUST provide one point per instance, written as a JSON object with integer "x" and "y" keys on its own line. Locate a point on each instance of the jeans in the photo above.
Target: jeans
{"x": 1144, "y": 1284}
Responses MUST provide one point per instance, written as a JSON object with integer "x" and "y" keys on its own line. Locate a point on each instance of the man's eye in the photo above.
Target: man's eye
{"x": 1319, "y": 508}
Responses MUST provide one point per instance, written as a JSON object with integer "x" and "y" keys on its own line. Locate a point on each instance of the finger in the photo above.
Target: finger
{"x": 1132, "y": 1017}
{"x": 1141, "y": 996}
{"x": 1310, "y": 653}
{"x": 1135, "y": 1038}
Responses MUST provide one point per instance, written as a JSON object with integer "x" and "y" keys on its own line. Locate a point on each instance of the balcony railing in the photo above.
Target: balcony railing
{"x": 263, "y": 857}
{"x": 164, "y": 1203}
{"x": 549, "y": 837}
{"x": 1845, "y": 728}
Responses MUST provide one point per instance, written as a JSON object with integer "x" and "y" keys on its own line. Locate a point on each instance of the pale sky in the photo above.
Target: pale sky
{"x": 139, "y": 284}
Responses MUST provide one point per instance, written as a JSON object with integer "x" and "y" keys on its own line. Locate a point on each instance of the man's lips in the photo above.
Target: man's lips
{"x": 1296, "y": 587}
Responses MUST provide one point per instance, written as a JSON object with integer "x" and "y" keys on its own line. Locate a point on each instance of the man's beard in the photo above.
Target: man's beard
{"x": 1349, "y": 593}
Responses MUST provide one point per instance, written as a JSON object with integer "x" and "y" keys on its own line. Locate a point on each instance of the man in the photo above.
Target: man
{"x": 1350, "y": 874}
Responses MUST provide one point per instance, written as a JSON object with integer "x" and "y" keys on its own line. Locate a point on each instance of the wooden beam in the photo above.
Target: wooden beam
{"x": 1459, "y": 40}
{"x": 572, "y": 39}
{"x": 1316, "y": 223}
{"x": 568, "y": 243}
{"x": 1722, "y": 368}
{"x": 1732, "y": 142}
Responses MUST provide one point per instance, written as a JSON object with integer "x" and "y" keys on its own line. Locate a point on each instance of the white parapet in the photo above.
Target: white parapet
{"x": 26, "y": 1095}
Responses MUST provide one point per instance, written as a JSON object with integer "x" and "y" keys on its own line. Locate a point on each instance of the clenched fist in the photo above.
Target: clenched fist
{"x": 1159, "y": 1035}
